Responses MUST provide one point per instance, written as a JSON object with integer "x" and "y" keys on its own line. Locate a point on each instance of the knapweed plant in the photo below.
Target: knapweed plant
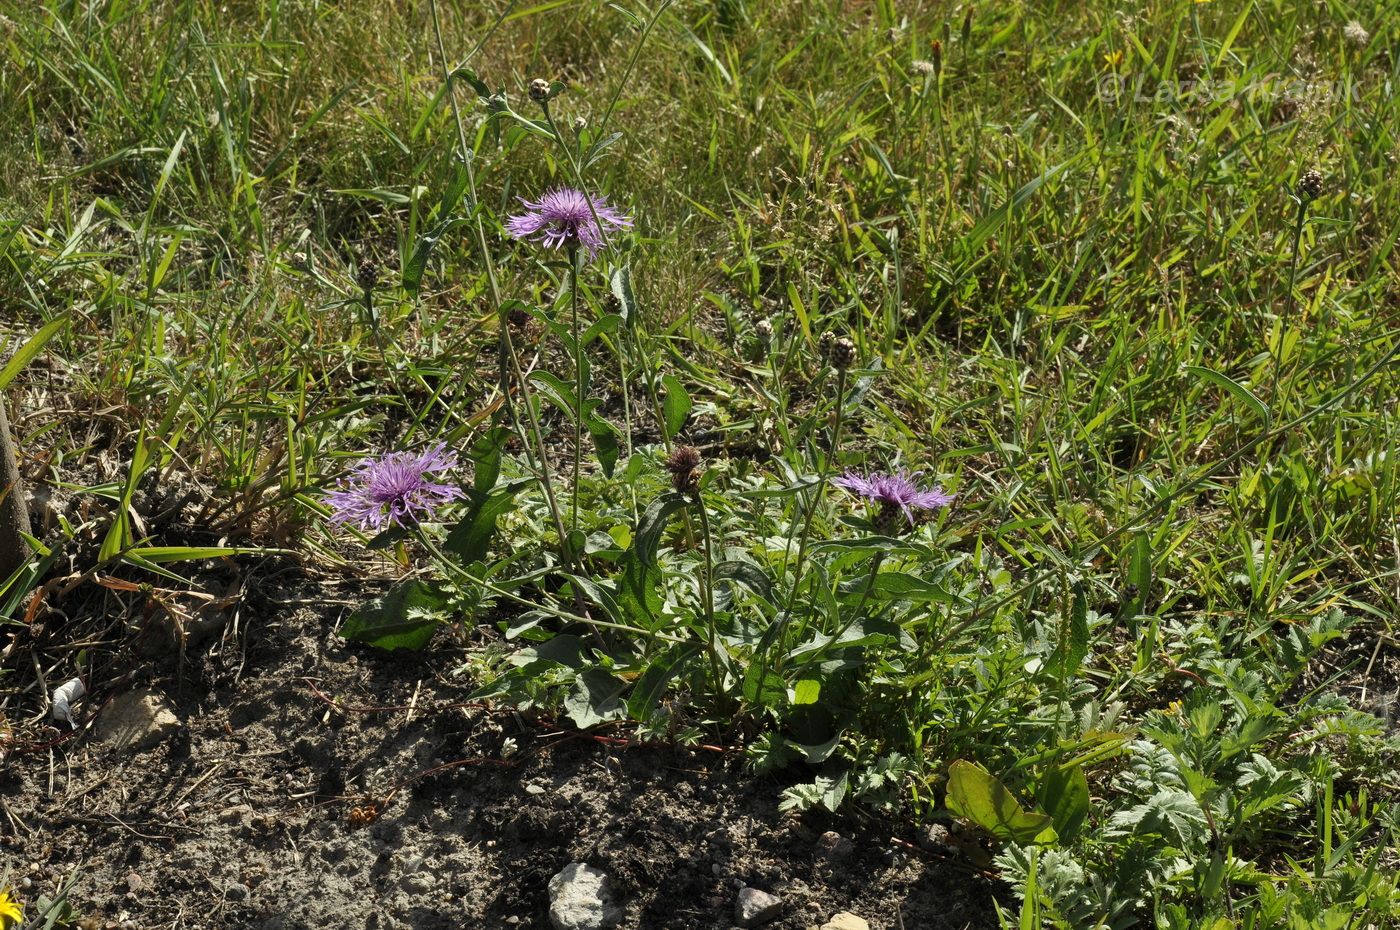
{"x": 682, "y": 588}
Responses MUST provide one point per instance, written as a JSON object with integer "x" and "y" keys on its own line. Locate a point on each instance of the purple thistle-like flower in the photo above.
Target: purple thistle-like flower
{"x": 891, "y": 492}
{"x": 563, "y": 217}
{"x": 393, "y": 489}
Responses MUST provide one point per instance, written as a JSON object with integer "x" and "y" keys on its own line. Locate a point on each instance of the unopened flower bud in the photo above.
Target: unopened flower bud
{"x": 684, "y": 466}
{"x": 843, "y": 353}
{"x": 539, "y": 90}
{"x": 367, "y": 275}
{"x": 824, "y": 345}
{"x": 764, "y": 329}
{"x": 1310, "y": 184}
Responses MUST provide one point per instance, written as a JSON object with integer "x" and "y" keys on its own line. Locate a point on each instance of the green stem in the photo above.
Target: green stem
{"x": 709, "y": 596}
{"x": 818, "y": 492}
{"x": 1292, "y": 303}
{"x": 579, "y": 386}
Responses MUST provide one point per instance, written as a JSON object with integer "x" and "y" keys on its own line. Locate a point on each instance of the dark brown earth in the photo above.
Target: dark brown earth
{"x": 299, "y": 791}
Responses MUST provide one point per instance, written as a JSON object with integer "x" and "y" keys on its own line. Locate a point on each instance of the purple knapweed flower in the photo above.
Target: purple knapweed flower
{"x": 895, "y": 494}
{"x": 393, "y": 489}
{"x": 563, "y": 217}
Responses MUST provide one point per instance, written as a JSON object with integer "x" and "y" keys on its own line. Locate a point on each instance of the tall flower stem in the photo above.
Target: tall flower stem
{"x": 709, "y": 595}
{"x": 823, "y": 473}
{"x": 579, "y": 386}
{"x": 14, "y": 510}
{"x": 1292, "y": 303}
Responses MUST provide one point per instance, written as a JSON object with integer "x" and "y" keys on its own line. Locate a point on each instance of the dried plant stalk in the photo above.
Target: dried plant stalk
{"x": 14, "y": 511}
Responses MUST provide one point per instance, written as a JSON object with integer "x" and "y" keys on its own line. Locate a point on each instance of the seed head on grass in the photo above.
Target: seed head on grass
{"x": 895, "y": 494}
{"x": 1356, "y": 34}
{"x": 562, "y": 217}
{"x": 394, "y": 489}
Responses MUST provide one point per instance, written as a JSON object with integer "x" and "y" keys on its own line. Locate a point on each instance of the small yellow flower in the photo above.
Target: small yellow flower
{"x": 1111, "y": 60}
{"x": 10, "y": 912}
{"x": 1174, "y": 708}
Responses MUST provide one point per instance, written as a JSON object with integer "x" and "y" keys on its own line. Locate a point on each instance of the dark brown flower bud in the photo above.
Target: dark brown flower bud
{"x": 764, "y": 329}
{"x": 684, "y": 466}
{"x": 367, "y": 275}
{"x": 539, "y": 90}
{"x": 1310, "y": 184}
{"x": 824, "y": 344}
{"x": 843, "y": 353}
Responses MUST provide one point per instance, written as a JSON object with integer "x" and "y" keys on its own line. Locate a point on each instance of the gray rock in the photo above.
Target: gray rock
{"x": 753, "y": 907}
{"x": 137, "y": 721}
{"x": 579, "y": 899}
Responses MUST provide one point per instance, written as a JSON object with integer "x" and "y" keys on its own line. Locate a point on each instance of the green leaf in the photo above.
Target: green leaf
{"x": 1232, "y": 386}
{"x": 405, "y": 618}
{"x": 635, "y": 590}
{"x": 605, "y": 437}
{"x": 470, "y": 76}
{"x": 676, "y": 406}
{"x": 161, "y": 554}
{"x": 899, "y": 586}
{"x": 651, "y": 686}
{"x": 31, "y": 349}
{"x": 1073, "y": 645}
{"x": 806, "y": 691}
{"x": 621, "y": 283}
{"x": 762, "y": 688}
{"x": 976, "y": 795}
{"x": 653, "y": 524}
{"x": 1064, "y": 795}
{"x": 470, "y": 539}
{"x": 748, "y": 574}
{"x": 418, "y": 262}
{"x": 119, "y": 534}
{"x": 595, "y": 699}
{"x": 486, "y": 457}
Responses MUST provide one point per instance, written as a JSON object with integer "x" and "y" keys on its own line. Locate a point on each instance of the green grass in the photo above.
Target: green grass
{"x": 1174, "y": 475}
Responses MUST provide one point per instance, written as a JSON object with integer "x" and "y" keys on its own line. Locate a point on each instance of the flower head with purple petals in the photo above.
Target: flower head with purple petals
{"x": 393, "y": 489}
{"x": 896, "y": 494}
{"x": 563, "y": 216}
